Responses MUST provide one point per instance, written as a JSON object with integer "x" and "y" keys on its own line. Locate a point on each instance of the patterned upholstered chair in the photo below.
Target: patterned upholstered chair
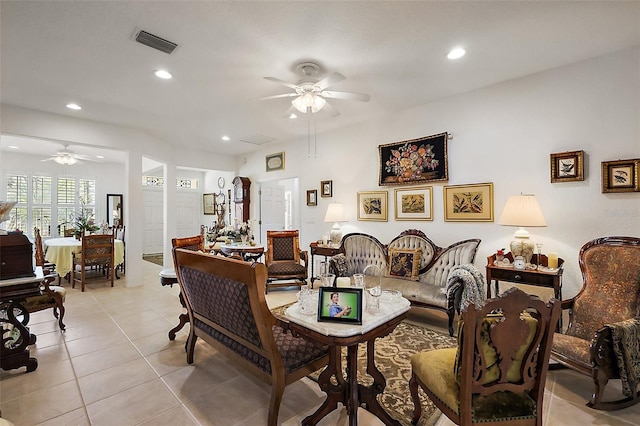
{"x": 51, "y": 296}
{"x": 604, "y": 314}
{"x": 497, "y": 373}
{"x": 228, "y": 310}
{"x": 284, "y": 259}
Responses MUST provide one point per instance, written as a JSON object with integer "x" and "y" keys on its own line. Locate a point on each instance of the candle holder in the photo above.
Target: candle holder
{"x": 539, "y": 247}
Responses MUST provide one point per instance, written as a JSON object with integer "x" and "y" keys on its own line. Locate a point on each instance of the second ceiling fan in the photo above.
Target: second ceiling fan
{"x": 310, "y": 93}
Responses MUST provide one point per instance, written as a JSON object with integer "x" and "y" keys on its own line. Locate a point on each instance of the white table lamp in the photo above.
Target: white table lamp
{"x": 335, "y": 214}
{"x": 522, "y": 210}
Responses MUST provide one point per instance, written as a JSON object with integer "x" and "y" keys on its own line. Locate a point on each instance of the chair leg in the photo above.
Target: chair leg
{"x": 277, "y": 390}
{"x": 191, "y": 346}
{"x": 417, "y": 407}
{"x": 60, "y": 323}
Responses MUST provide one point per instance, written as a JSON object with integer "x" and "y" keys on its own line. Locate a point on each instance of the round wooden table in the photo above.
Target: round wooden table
{"x": 246, "y": 251}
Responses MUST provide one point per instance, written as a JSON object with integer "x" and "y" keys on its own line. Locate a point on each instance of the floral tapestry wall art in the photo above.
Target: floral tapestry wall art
{"x": 414, "y": 161}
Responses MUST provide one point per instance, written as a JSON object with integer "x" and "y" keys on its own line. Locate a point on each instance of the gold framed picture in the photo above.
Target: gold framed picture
{"x": 468, "y": 203}
{"x": 274, "y": 162}
{"x": 567, "y": 166}
{"x": 372, "y": 205}
{"x": 414, "y": 203}
{"x": 326, "y": 188}
{"x": 620, "y": 176}
{"x": 312, "y": 197}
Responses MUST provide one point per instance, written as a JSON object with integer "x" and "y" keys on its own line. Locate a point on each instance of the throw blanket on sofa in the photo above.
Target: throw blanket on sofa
{"x": 626, "y": 346}
{"x": 472, "y": 284}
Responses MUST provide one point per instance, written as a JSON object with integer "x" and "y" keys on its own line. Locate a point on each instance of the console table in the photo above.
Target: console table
{"x": 349, "y": 392}
{"x": 539, "y": 278}
{"x": 14, "y": 318}
{"x": 321, "y": 250}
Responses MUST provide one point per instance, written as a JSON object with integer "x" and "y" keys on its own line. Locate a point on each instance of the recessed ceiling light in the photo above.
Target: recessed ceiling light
{"x": 13, "y": 147}
{"x": 293, "y": 115}
{"x": 456, "y": 53}
{"x": 74, "y": 106}
{"x": 163, "y": 74}
{"x": 100, "y": 156}
{"x": 226, "y": 138}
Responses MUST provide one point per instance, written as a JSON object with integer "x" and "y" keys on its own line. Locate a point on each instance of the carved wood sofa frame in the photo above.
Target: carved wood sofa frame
{"x": 428, "y": 291}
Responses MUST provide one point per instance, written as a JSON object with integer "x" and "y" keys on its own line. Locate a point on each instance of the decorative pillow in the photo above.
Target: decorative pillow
{"x": 491, "y": 357}
{"x": 404, "y": 263}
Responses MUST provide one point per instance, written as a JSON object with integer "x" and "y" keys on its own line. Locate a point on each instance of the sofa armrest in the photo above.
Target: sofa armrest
{"x": 304, "y": 256}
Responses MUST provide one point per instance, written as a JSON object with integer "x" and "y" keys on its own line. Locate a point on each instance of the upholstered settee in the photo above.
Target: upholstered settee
{"x": 410, "y": 263}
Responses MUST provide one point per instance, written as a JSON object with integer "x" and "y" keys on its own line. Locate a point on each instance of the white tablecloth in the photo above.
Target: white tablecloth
{"x": 59, "y": 252}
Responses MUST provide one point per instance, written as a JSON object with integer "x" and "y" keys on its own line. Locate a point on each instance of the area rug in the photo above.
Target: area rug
{"x": 393, "y": 354}
{"x": 154, "y": 258}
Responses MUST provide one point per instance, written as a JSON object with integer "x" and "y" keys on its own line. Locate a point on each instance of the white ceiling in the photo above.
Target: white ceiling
{"x": 58, "y": 52}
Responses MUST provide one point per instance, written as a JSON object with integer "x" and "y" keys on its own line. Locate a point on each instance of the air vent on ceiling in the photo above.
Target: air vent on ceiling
{"x": 257, "y": 139}
{"x": 156, "y": 42}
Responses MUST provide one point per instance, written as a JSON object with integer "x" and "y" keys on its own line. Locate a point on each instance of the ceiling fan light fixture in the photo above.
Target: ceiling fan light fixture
{"x": 65, "y": 160}
{"x": 308, "y": 100}
{"x": 456, "y": 53}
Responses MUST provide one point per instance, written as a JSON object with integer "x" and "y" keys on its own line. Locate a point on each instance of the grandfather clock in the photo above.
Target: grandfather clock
{"x": 241, "y": 197}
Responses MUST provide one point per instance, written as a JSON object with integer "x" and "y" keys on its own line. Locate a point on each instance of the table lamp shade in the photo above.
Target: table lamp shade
{"x": 522, "y": 210}
{"x": 335, "y": 213}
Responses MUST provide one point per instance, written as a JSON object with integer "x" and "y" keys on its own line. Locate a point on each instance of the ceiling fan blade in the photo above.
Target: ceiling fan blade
{"x": 284, "y": 83}
{"x": 329, "y": 80}
{"x": 285, "y": 95}
{"x": 346, "y": 95}
{"x": 330, "y": 110}
{"x": 290, "y": 110}
{"x": 48, "y": 159}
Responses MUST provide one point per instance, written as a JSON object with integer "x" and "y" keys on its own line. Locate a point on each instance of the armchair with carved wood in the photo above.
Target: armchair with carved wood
{"x": 497, "y": 373}
{"x": 284, "y": 259}
{"x": 602, "y": 339}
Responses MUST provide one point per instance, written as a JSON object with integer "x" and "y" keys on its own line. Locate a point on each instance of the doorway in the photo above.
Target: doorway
{"x": 279, "y": 206}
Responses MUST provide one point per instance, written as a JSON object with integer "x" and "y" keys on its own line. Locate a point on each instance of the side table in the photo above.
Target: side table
{"x": 321, "y": 250}
{"x": 549, "y": 279}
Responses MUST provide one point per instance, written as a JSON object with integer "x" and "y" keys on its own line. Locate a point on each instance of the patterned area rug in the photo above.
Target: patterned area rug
{"x": 393, "y": 354}
{"x": 153, "y": 258}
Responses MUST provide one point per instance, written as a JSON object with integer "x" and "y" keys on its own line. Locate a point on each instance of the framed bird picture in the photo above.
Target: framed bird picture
{"x": 567, "y": 166}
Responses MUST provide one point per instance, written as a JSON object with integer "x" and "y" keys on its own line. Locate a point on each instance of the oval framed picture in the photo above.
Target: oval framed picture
{"x": 274, "y": 162}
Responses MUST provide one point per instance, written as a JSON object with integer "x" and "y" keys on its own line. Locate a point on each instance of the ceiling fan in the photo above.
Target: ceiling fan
{"x": 66, "y": 157}
{"x": 310, "y": 94}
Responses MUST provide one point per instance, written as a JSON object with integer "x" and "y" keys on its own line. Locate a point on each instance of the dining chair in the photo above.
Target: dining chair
{"x": 97, "y": 251}
{"x": 284, "y": 259}
{"x": 497, "y": 373}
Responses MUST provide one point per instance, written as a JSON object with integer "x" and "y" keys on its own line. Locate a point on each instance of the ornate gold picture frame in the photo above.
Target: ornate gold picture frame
{"x": 620, "y": 176}
{"x": 414, "y": 203}
{"x": 372, "y": 205}
{"x": 468, "y": 203}
{"x": 567, "y": 166}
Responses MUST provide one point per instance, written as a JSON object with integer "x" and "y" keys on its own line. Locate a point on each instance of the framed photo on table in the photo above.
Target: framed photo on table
{"x": 414, "y": 203}
{"x": 372, "y": 205}
{"x": 340, "y": 304}
{"x": 468, "y": 203}
{"x": 621, "y": 176}
{"x": 567, "y": 166}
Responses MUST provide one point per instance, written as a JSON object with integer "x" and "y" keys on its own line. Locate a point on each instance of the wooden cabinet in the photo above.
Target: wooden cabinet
{"x": 16, "y": 256}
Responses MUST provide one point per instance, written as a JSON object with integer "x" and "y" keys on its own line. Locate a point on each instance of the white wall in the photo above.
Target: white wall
{"x": 501, "y": 134}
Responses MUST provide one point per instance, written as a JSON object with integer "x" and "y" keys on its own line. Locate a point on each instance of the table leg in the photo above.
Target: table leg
{"x": 335, "y": 393}
{"x": 13, "y": 351}
{"x": 352, "y": 382}
{"x": 368, "y": 394}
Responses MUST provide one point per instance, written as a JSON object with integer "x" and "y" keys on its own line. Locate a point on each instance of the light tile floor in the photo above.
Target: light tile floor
{"x": 115, "y": 366}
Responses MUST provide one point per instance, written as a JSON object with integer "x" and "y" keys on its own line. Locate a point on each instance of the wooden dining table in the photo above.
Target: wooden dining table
{"x": 59, "y": 251}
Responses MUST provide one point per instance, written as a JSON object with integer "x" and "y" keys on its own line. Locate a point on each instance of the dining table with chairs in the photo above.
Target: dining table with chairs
{"x": 59, "y": 251}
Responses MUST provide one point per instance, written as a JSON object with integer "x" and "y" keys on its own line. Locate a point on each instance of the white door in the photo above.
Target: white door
{"x": 272, "y": 208}
{"x": 188, "y": 210}
{"x": 153, "y": 221}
